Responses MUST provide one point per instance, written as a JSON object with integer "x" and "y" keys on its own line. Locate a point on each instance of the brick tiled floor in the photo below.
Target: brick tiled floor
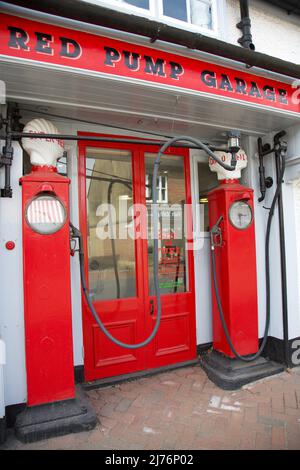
{"x": 182, "y": 409}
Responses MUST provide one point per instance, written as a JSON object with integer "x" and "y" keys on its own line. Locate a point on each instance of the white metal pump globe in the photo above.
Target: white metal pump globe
{"x": 42, "y": 152}
{"x": 223, "y": 174}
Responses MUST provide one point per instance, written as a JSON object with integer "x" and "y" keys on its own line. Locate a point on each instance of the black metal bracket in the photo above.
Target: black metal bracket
{"x": 11, "y": 122}
{"x": 264, "y": 150}
{"x": 264, "y": 182}
{"x": 6, "y": 156}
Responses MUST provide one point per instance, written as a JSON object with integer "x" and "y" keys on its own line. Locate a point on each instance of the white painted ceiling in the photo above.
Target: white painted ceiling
{"x": 134, "y": 105}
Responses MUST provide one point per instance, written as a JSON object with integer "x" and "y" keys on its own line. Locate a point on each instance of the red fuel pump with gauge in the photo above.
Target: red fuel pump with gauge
{"x": 47, "y": 292}
{"x": 231, "y": 219}
{"x": 236, "y": 358}
{"x": 235, "y": 257}
{"x": 53, "y": 407}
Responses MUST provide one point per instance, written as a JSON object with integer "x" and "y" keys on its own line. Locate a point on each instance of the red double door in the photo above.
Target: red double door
{"x": 115, "y": 198}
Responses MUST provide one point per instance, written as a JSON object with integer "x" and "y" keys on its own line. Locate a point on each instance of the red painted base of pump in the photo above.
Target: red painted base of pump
{"x": 234, "y": 274}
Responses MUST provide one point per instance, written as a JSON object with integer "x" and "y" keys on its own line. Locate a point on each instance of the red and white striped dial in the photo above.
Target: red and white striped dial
{"x": 45, "y": 214}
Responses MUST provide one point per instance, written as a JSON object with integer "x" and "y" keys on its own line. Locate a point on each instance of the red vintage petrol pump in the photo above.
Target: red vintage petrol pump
{"x": 47, "y": 293}
{"x": 236, "y": 357}
{"x": 235, "y": 256}
{"x": 47, "y": 296}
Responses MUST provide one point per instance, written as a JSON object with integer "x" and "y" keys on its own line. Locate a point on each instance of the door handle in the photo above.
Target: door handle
{"x": 151, "y": 307}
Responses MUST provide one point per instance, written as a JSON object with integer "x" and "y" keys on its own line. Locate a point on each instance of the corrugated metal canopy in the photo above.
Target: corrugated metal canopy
{"x": 136, "y": 105}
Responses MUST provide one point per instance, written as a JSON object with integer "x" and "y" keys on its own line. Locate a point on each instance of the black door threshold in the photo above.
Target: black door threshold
{"x": 110, "y": 381}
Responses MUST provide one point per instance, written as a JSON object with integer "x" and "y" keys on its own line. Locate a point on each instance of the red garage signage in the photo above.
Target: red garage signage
{"x": 26, "y": 39}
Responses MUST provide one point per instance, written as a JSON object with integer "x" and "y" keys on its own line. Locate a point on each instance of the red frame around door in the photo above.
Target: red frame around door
{"x": 175, "y": 341}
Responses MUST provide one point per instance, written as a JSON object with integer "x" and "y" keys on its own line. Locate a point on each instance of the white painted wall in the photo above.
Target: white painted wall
{"x": 291, "y": 205}
{"x": 11, "y": 282}
{"x": 2, "y": 364}
{"x": 201, "y": 260}
{"x": 251, "y": 178}
{"x": 295, "y": 327}
{"x": 291, "y": 199}
{"x": 274, "y": 32}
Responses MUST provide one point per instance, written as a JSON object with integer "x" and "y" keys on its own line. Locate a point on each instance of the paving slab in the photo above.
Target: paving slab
{"x": 182, "y": 409}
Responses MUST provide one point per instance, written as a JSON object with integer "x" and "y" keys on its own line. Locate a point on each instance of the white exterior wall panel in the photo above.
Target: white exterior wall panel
{"x": 274, "y": 32}
{"x": 11, "y": 286}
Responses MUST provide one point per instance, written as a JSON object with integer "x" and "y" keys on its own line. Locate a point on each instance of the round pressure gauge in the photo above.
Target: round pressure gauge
{"x": 240, "y": 215}
{"x": 45, "y": 214}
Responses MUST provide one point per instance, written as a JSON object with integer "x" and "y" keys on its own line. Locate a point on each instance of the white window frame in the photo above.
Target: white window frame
{"x": 192, "y": 27}
{"x": 159, "y": 188}
{"x": 156, "y": 12}
{"x": 116, "y": 5}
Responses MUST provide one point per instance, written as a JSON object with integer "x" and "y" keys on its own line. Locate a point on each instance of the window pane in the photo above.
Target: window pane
{"x": 138, "y": 3}
{"x": 175, "y": 9}
{"x": 201, "y": 13}
{"x": 111, "y": 261}
{"x": 171, "y": 244}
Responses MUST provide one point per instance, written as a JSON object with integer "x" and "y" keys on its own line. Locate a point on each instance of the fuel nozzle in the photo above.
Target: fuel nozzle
{"x": 76, "y": 234}
{"x": 234, "y": 137}
{"x": 216, "y": 234}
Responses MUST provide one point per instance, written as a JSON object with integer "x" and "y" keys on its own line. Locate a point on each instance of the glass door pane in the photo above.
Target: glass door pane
{"x": 172, "y": 241}
{"x": 111, "y": 249}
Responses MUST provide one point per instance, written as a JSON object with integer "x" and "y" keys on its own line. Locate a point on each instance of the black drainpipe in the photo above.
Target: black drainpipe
{"x": 245, "y": 26}
{"x": 279, "y": 161}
